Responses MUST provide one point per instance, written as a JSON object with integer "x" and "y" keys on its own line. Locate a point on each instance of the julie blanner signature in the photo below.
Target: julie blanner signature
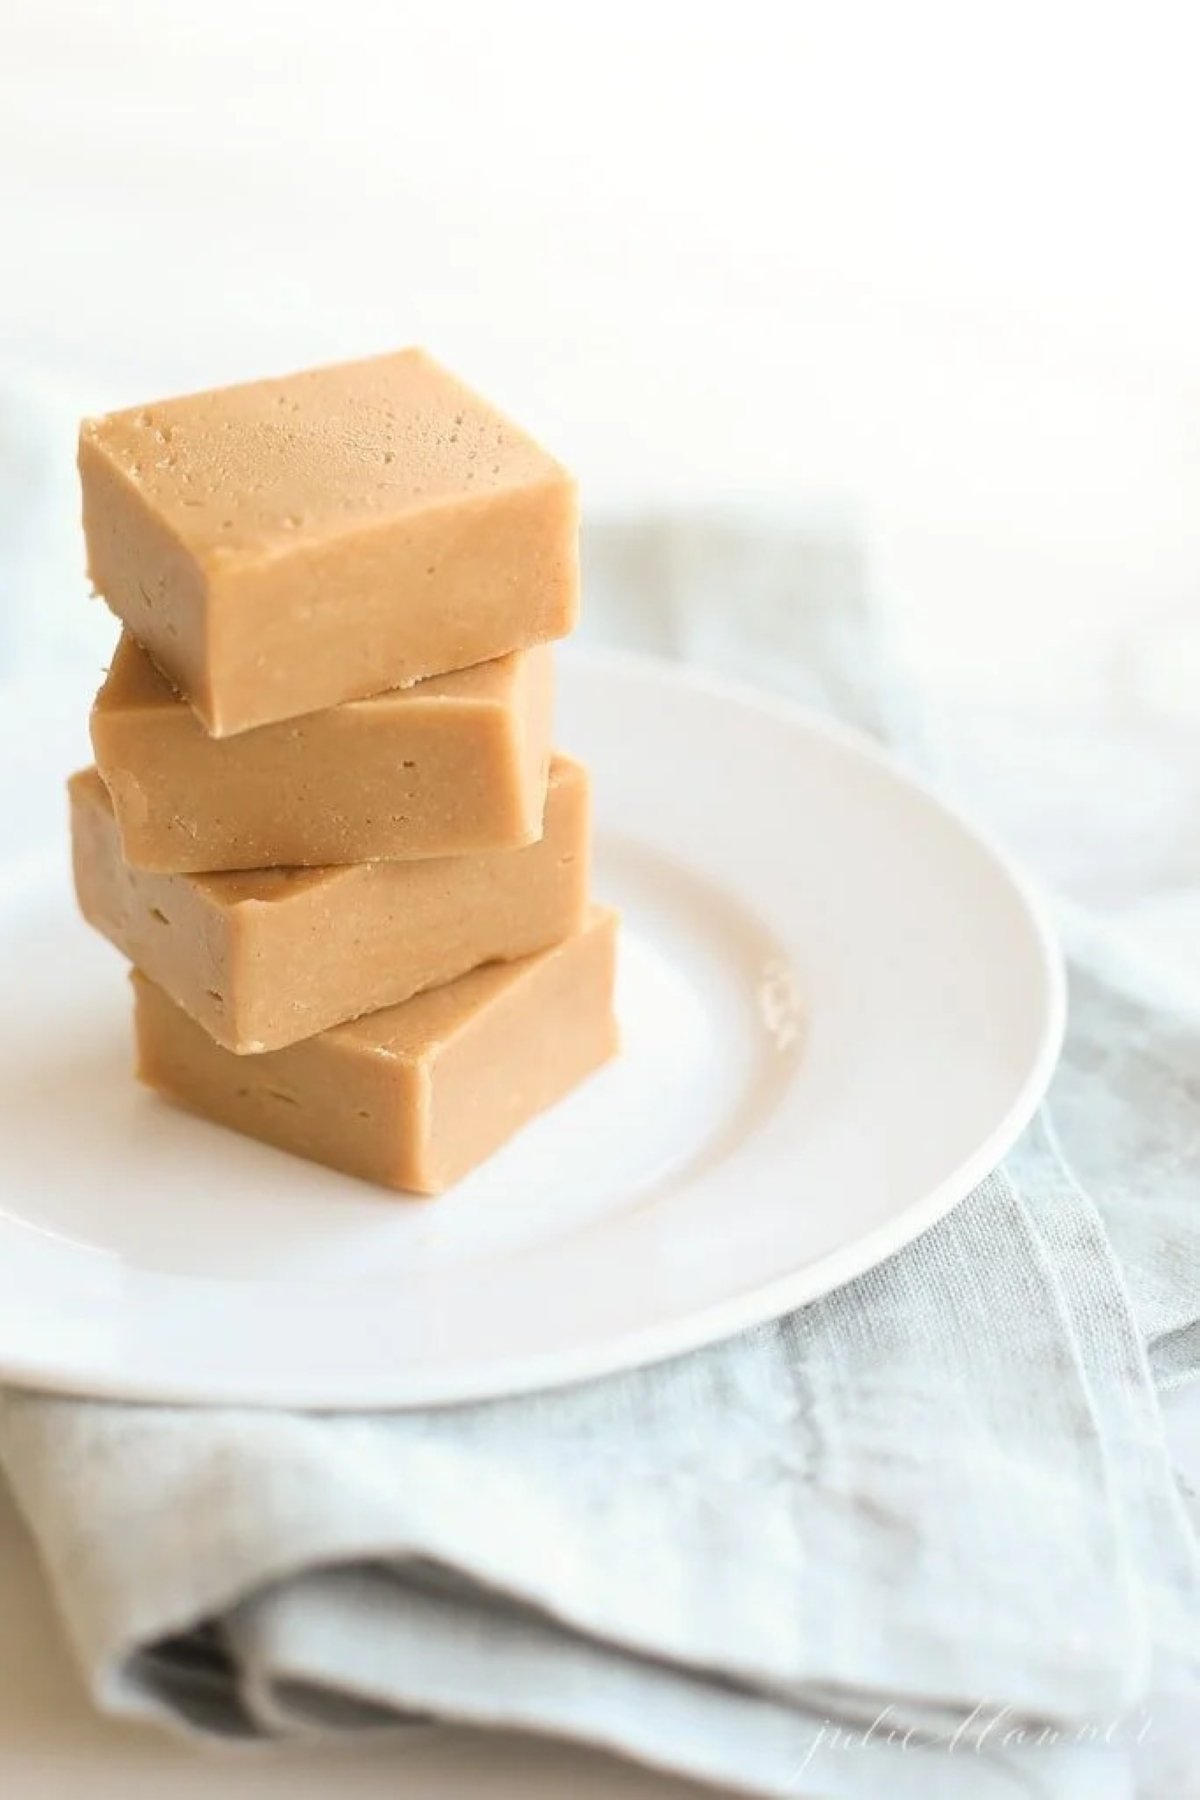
{"x": 985, "y": 1729}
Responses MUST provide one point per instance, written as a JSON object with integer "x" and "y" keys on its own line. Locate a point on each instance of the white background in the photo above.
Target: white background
{"x": 937, "y": 262}
{"x": 933, "y": 268}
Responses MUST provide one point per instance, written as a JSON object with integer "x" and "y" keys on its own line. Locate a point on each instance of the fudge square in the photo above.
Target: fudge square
{"x": 285, "y": 545}
{"x": 451, "y": 765}
{"x": 415, "y": 1096}
{"x": 266, "y": 958}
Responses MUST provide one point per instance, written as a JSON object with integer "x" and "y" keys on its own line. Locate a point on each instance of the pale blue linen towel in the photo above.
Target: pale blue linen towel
{"x": 922, "y": 1538}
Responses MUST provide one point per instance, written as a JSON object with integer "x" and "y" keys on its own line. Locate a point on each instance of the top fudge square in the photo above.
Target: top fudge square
{"x": 286, "y": 545}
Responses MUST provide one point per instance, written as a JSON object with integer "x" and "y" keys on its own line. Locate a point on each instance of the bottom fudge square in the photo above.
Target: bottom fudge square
{"x": 417, "y": 1095}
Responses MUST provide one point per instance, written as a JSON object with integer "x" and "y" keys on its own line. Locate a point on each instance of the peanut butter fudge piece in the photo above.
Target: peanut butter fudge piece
{"x": 289, "y": 544}
{"x": 415, "y": 1096}
{"x": 457, "y": 763}
{"x": 266, "y": 958}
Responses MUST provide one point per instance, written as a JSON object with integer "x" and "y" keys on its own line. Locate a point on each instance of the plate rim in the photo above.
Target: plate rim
{"x": 547, "y": 1370}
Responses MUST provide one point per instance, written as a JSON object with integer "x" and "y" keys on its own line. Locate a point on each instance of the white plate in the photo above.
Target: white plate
{"x": 839, "y": 1005}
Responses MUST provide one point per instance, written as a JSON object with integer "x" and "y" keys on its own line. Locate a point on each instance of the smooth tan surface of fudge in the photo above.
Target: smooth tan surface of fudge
{"x": 453, "y": 765}
{"x": 264, "y": 959}
{"x": 289, "y": 544}
{"x": 415, "y": 1096}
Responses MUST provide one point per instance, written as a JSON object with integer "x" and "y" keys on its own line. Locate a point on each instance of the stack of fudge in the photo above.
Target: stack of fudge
{"x": 325, "y": 823}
